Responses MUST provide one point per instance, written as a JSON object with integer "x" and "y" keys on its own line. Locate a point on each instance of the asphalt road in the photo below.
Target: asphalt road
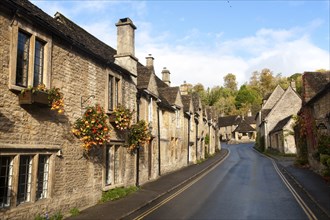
{"x": 244, "y": 186}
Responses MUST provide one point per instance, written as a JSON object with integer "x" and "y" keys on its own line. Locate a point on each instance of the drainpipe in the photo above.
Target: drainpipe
{"x": 196, "y": 141}
{"x": 189, "y": 121}
{"x": 158, "y": 128}
{"x": 209, "y": 147}
{"x": 138, "y": 97}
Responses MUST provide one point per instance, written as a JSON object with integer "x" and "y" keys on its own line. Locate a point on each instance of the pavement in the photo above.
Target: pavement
{"x": 313, "y": 186}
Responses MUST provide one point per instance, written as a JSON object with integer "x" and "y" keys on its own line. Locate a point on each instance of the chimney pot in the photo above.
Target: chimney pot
{"x": 166, "y": 76}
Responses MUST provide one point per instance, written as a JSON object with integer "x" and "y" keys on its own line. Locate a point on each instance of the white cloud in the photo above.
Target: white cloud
{"x": 283, "y": 51}
{"x": 204, "y": 57}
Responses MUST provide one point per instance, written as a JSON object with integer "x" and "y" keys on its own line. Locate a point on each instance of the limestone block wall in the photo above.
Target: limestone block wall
{"x": 75, "y": 181}
{"x": 288, "y": 105}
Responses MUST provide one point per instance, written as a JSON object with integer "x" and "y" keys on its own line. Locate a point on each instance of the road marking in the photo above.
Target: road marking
{"x": 148, "y": 212}
{"x": 300, "y": 201}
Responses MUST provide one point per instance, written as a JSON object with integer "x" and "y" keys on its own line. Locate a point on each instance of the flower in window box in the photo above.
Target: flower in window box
{"x": 121, "y": 117}
{"x": 43, "y": 96}
{"x": 92, "y": 128}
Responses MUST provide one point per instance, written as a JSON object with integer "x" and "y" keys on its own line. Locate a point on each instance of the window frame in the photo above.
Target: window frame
{"x": 113, "y": 92}
{"x": 13, "y": 199}
{"x": 35, "y": 37}
{"x": 113, "y": 166}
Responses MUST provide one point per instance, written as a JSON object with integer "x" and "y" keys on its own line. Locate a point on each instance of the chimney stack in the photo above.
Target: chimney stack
{"x": 166, "y": 76}
{"x": 184, "y": 88}
{"x": 150, "y": 62}
{"x": 125, "y": 56}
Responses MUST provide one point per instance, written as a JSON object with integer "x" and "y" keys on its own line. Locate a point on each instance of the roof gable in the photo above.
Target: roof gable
{"x": 273, "y": 98}
{"x": 243, "y": 126}
{"x": 289, "y": 96}
{"x": 187, "y": 103}
{"x": 228, "y": 120}
{"x": 281, "y": 124}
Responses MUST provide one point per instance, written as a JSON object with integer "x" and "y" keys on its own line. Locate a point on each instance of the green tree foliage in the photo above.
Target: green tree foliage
{"x": 230, "y": 81}
{"x": 246, "y": 98}
{"x": 228, "y": 101}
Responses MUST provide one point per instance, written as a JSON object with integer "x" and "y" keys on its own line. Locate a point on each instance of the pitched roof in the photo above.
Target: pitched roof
{"x": 196, "y": 102}
{"x": 243, "y": 126}
{"x": 250, "y": 119}
{"x": 67, "y": 31}
{"x": 228, "y": 120}
{"x": 186, "y": 100}
{"x": 280, "y": 125}
{"x": 313, "y": 83}
{"x": 264, "y": 113}
{"x": 143, "y": 78}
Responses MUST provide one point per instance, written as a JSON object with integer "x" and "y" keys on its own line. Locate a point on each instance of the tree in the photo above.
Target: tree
{"x": 212, "y": 96}
{"x": 230, "y": 81}
{"x": 267, "y": 81}
{"x": 247, "y": 99}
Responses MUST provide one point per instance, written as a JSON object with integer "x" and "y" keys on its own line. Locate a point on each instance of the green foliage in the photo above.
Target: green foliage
{"x": 74, "y": 211}
{"x": 230, "y": 81}
{"x": 324, "y": 144}
{"x": 324, "y": 158}
{"x": 247, "y": 95}
{"x": 227, "y": 100}
{"x": 117, "y": 193}
{"x": 57, "y": 216}
{"x": 207, "y": 139}
{"x": 260, "y": 143}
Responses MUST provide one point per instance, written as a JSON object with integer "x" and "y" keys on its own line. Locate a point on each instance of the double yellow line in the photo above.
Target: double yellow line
{"x": 300, "y": 201}
{"x": 148, "y": 212}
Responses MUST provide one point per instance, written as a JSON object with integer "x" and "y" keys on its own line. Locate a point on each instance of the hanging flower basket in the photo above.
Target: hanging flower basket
{"x": 121, "y": 117}
{"x": 92, "y": 128}
{"x": 138, "y": 135}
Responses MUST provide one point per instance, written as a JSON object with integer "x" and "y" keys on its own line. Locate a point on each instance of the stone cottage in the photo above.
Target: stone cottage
{"x": 315, "y": 116}
{"x": 280, "y": 105}
{"x": 282, "y": 136}
{"x": 43, "y": 168}
{"x": 237, "y": 128}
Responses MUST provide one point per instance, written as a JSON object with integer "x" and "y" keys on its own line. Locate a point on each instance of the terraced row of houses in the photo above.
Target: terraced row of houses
{"x": 44, "y": 169}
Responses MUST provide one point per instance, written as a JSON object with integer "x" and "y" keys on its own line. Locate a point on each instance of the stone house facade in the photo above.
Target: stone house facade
{"x": 281, "y": 136}
{"x": 315, "y": 113}
{"x": 280, "y": 105}
{"x": 44, "y": 169}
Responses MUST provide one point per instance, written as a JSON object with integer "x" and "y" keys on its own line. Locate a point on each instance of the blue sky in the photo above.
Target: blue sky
{"x": 202, "y": 41}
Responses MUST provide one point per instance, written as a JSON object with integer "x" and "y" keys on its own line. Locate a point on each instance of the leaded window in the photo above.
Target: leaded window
{"x": 6, "y": 172}
{"x": 22, "y": 67}
{"x": 42, "y": 176}
{"x": 24, "y": 179}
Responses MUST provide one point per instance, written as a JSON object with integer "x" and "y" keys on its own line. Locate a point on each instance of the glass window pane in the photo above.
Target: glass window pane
{"x": 24, "y": 179}
{"x": 42, "y": 176}
{"x": 108, "y": 174}
{"x": 22, "y": 66}
{"x": 38, "y": 63}
{"x": 110, "y": 93}
{"x": 6, "y": 171}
